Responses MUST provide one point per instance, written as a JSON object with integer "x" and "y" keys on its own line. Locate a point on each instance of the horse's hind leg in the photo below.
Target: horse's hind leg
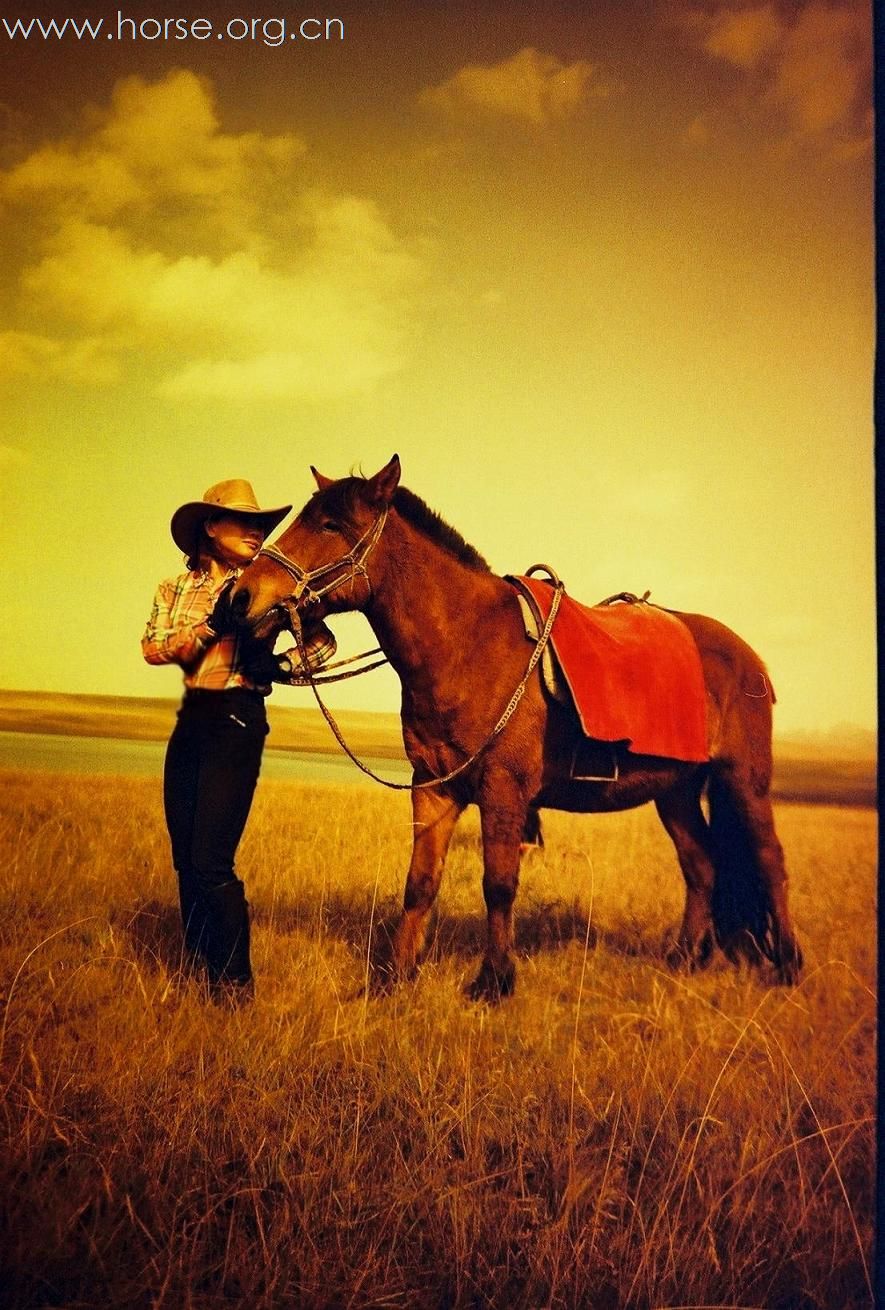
{"x": 434, "y": 817}
{"x": 681, "y": 814}
{"x": 503, "y": 812}
{"x": 749, "y": 854}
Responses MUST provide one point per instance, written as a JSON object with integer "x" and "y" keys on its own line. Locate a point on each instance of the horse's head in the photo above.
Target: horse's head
{"x": 323, "y": 560}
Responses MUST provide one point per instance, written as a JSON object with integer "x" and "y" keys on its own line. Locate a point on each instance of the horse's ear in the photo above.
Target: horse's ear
{"x": 381, "y": 487}
{"x": 322, "y": 482}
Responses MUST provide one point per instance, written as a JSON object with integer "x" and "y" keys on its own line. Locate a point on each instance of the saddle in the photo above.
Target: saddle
{"x": 630, "y": 669}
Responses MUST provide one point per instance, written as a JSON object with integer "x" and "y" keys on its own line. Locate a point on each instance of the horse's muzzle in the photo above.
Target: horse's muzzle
{"x": 240, "y": 602}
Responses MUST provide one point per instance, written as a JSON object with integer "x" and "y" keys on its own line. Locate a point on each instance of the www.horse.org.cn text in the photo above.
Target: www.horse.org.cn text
{"x": 265, "y": 31}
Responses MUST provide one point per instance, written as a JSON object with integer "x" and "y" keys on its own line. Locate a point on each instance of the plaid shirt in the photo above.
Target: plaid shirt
{"x": 177, "y": 633}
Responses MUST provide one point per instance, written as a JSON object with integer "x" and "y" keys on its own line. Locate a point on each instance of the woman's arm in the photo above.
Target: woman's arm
{"x": 168, "y": 640}
{"x": 319, "y": 644}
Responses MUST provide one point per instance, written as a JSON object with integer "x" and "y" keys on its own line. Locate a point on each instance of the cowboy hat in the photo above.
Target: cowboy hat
{"x": 234, "y": 496}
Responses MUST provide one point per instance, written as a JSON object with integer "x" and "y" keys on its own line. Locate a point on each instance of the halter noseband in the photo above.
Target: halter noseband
{"x": 355, "y": 559}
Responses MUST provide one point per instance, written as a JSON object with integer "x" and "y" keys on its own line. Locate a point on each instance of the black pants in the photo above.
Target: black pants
{"x": 212, "y": 765}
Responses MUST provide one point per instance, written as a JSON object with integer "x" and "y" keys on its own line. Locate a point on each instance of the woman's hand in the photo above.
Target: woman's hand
{"x": 261, "y": 666}
{"x": 221, "y": 619}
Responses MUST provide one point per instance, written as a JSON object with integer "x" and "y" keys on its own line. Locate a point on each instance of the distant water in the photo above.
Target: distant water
{"x": 826, "y": 783}
{"x": 58, "y": 753}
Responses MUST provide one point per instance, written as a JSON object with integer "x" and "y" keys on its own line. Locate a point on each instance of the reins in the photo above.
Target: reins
{"x": 355, "y": 559}
{"x": 290, "y": 605}
{"x": 302, "y": 680}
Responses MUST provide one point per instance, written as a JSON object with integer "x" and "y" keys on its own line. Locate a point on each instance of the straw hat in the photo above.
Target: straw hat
{"x": 234, "y": 496}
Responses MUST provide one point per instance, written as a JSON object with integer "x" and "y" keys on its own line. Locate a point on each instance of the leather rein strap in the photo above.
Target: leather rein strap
{"x": 291, "y": 607}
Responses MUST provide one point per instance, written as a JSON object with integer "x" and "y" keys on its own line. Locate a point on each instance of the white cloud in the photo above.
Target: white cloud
{"x": 282, "y": 291}
{"x": 84, "y": 360}
{"x": 277, "y": 375}
{"x": 157, "y": 143}
{"x": 812, "y": 63}
{"x": 530, "y": 85}
{"x": 744, "y": 36}
{"x": 822, "y": 67}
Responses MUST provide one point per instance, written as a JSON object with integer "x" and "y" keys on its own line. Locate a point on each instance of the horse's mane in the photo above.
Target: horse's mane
{"x": 339, "y": 500}
{"x": 413, "y": 509}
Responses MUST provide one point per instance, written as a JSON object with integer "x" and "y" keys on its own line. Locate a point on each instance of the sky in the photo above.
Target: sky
{"x": 601, "y": 273}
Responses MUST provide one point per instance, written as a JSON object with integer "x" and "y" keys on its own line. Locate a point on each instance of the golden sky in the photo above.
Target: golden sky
{"x": 600, "y": 273}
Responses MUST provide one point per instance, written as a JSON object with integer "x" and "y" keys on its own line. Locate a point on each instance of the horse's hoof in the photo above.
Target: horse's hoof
{"x": 789, "y": 968}
{"x": 492, "y": 985}
{"x": 685, "y": 958}
{"x": 677, "y": 959}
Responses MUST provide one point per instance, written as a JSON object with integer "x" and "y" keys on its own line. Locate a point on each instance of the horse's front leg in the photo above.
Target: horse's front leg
{"x": 503, "y": 818}
{"x": 434, "y": 817}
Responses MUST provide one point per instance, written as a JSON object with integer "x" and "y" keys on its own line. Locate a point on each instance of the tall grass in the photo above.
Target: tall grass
{"x": 615, "y": 1135}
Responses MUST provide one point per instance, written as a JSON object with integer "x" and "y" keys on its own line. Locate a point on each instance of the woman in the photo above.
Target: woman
{"x": 214, "y": 754}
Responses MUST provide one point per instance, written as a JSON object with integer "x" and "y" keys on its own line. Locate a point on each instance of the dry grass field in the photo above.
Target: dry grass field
{"x": 615, "y": 1135}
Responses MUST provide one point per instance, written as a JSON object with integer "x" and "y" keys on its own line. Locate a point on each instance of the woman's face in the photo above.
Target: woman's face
{"x": 236, "y": 538}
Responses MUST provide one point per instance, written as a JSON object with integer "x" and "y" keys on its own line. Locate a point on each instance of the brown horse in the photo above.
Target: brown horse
{"x": 453, "y": 632}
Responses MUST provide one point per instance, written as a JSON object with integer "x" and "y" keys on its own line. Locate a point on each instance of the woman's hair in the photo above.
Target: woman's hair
{"x": 202, "y": 545}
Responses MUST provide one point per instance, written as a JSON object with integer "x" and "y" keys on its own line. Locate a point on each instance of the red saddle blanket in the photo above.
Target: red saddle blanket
{"x": 633, "y": 671}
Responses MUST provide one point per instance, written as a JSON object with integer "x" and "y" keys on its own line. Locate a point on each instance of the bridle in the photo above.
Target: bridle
{"x": 304, "y": 593}
{"x": 355, "y": 560}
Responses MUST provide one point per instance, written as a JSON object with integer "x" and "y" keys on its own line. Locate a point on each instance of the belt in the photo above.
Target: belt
{"x": 206, "y": 695}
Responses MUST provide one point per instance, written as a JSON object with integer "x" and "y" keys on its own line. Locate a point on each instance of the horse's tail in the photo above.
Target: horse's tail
{"x": 742, "y": 909}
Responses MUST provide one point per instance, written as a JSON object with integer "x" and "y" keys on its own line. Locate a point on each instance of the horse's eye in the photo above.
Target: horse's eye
{"x": 328, "y": 526}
